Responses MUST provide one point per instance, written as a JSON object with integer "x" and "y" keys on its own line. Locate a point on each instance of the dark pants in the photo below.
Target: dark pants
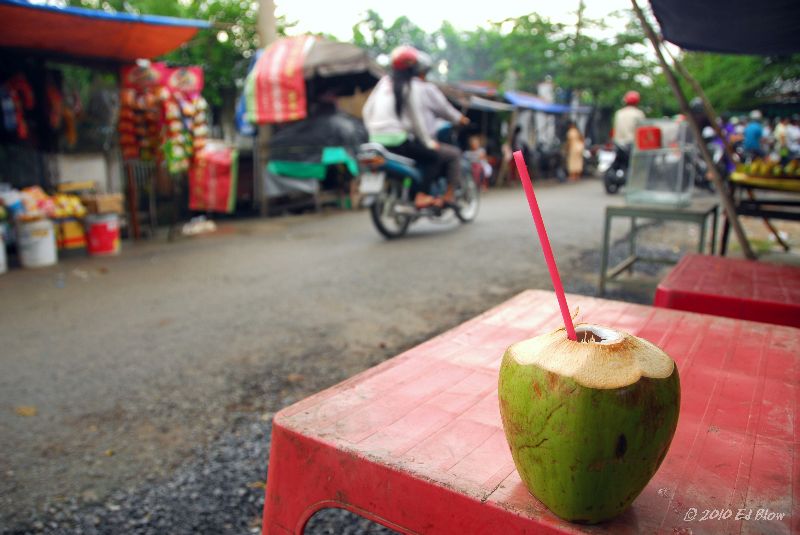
{"x": 450, "y": 156}
{"x": 428, "y": 160}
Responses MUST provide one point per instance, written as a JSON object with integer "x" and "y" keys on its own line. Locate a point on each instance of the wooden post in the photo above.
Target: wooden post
{"x": 267, "y": 34}
{"x": 133, "y": 201}
{"x": 727, "y": 202}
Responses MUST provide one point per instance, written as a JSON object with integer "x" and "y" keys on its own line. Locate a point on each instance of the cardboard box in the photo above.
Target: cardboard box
{"x": 103, "y": 203}
{"x": 70, "y": 233}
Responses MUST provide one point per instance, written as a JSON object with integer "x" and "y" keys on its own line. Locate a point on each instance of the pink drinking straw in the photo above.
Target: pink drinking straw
{"x": 527, "y": 185}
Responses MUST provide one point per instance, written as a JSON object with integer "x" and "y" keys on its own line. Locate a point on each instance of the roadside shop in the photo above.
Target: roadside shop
{"x": 89, "y": 123}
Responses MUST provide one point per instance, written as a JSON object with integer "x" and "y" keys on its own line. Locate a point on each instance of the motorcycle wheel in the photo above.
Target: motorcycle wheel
{"x": 390, "y": 224}
{"x": 609, "y": 181}
{"x": 467, "y": 200}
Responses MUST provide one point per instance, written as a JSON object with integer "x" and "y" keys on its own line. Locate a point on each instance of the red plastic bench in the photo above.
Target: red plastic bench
{"x": 733, "y": 288}
{"x": 416, "y": 443}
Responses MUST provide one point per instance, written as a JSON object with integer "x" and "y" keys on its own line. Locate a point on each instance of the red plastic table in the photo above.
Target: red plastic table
{"x": 733, "y": 288}
{"x": 416, "y": 443}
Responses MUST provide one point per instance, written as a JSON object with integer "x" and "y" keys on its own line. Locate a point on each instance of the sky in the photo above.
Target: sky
{"x": 337, "y": 18}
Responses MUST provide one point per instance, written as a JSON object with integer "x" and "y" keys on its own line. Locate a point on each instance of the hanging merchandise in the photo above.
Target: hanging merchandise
{"x": 140, "y": 111}
{"x": 162, "y": 114}
{"x": 17, "y": 97}
{"x": 55, "y": 102}
{"x": 212, "y": 179}
{"x": 185, "y": 113}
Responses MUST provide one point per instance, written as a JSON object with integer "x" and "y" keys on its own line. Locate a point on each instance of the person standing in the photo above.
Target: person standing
{"x": 793, "y": 136}
{"x": 781, "y": 134}
{"x": 753, "y": 134}
{"x": 575, "y": 146}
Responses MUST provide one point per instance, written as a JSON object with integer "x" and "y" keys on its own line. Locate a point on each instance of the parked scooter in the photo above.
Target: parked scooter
{"x": 390, "y": 182}
{"x": 616, "y": 175}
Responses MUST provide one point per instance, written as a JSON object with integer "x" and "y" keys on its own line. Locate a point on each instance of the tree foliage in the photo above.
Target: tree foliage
{"x": 738, "y": 83}
{"x": 533, "y": 48}
{"x": 599, "y": 69}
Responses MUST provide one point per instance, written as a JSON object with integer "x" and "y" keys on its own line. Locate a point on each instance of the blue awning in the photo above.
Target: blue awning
{"x": 532, "y": 102}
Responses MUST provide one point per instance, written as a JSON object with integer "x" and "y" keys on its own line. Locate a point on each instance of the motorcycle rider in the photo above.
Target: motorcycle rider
{"x": 623, "y": 134}
{"x": 435, "y": 107}
{"x": 394, "y": 117}
{"x": 626, "y": 119}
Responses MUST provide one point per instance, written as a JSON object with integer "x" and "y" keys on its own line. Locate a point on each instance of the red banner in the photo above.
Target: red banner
{"x": 278, "y": 86}
{"x": 212, "y": 179}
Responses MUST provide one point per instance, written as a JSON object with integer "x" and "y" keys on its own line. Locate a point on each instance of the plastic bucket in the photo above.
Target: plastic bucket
{"x": 102, "y": 234}
{"x": 36, "y": 243}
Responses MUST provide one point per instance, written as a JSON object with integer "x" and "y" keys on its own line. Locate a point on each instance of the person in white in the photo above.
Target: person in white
{"x": 793, "y": 136}
{"x": 436, "y": 108}
{"x": 627, "y": 119}
{"x": 394, "y": 118}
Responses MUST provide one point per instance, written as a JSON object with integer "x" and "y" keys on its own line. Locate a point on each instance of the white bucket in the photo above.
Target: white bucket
{"x": 3, "y": 262}
{"x": 36, "y": 242}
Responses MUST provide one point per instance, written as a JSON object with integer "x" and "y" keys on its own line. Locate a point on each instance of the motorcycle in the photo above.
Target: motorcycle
{"x": 389, "y": 182}
{"x": 616, "y": 175}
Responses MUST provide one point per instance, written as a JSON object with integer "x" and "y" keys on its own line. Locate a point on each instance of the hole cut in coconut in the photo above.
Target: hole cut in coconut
{"x": 597, "y": 334}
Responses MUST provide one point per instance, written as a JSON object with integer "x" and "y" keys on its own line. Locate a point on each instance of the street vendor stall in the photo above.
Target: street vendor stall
{"x": 723, "y": 26}
{"x": 60, "y": 92}
{"x": 294, "y": 86}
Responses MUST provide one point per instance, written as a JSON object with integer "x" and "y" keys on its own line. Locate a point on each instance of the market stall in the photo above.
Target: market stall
{"x": 60, "y": 86}
{"x": 725, "y": 27}
{"x": 294, "y": 86}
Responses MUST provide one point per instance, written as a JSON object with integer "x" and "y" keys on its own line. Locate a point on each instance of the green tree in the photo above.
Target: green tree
{"x": 602, "y": 69}
{"x": 534, "y": 48}
{"x": 372, "y": 34}
{"x": 736, "y": 83}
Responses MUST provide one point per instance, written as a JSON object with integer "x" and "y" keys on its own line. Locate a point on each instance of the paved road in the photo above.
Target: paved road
{"x": 131, "y": 361}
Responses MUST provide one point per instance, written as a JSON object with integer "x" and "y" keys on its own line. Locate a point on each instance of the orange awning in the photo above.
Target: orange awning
{"x": 89, "y": 33}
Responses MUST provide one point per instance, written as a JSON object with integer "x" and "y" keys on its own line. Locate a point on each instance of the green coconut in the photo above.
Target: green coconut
{"x": 588, "y": 421}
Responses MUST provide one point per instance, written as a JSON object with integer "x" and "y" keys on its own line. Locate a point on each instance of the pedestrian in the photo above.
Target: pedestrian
{"x": 793, "y": 136}
{"x": 753, "y": 134}
{"x": 575, "y": 145}
{"x": 781, "y": 138}
{"x": 476, "y": 155}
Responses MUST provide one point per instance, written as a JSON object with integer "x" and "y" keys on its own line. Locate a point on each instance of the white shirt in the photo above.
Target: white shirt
{"x": 625, "y": 122}
{"x": 793, "y": 137}
{"x": 381, "y": 119}
{"x": 436, "y": 106}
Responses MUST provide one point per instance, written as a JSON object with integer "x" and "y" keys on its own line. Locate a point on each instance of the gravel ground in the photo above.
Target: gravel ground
{"x": 219, "y": 490}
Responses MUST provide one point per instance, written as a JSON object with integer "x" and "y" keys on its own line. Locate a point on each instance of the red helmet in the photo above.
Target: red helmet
{"x": 404, "y": 57}
{"x": 631, "y": 98}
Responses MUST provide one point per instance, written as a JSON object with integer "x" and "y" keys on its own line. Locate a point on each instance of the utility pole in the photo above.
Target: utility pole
{"x": 267, "y": 27}
{"x": 267, "y": 34}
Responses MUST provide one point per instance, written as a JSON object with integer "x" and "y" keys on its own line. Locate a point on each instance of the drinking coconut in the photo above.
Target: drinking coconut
{"x": 588, "y": 421}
